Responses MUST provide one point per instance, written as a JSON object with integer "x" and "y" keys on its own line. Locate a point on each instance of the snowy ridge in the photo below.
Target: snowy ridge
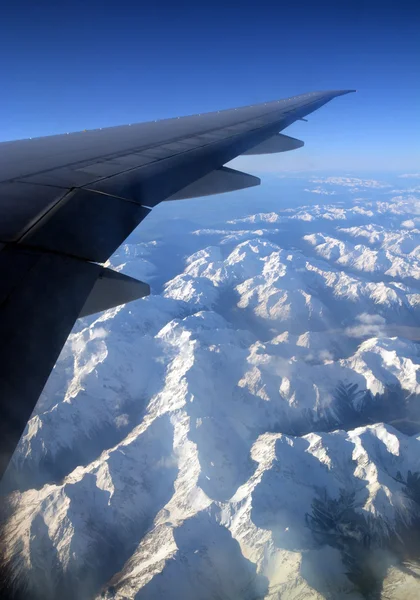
{"x": 261, "y": 527}
{"x": 241, "y": 428}
{"x": 390, "y": 259}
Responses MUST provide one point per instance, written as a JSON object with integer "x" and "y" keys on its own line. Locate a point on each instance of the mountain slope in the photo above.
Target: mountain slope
{"x": 240, "y": 432}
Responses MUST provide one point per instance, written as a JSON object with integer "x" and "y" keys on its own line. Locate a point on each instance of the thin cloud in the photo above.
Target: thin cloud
{"x": 367, "y": 325}
{"x": 351, "y": 182}
{"x": 321, "y": 191}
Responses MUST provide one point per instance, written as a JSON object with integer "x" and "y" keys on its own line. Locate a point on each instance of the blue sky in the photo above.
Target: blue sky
{"x": 93, "y": 64}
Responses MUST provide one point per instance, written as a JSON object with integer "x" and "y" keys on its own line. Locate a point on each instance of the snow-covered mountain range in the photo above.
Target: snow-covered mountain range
{"x": 251, "y": 429}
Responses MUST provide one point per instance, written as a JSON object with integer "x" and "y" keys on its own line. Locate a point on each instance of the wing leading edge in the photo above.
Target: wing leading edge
{"x": 68, "y": 201}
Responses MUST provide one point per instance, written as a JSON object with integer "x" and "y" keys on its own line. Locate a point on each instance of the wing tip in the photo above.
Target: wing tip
{"x": 343, "y": 92}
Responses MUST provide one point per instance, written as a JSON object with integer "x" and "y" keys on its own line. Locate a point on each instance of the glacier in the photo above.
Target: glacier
{"x": 250, "y": 430}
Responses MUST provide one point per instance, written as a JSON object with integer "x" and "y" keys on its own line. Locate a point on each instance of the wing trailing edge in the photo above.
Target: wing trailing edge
{"x": 219, "y": 181}
{"x": 112, "y": 289}
{"x": 277, "y": 143}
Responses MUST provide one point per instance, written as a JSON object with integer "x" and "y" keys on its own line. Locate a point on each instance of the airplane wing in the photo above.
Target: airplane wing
{"x": 68, "y": 201}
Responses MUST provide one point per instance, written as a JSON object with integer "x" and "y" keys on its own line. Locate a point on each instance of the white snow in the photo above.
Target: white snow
{"x": 397, "y": 256}
{"x": 169, "y": 455}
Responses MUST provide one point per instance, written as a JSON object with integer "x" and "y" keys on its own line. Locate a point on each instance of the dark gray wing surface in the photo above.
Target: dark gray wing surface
{"x": 68, "y": 201}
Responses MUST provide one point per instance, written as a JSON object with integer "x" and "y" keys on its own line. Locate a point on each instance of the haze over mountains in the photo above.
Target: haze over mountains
{"x": 250, "y": 430}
